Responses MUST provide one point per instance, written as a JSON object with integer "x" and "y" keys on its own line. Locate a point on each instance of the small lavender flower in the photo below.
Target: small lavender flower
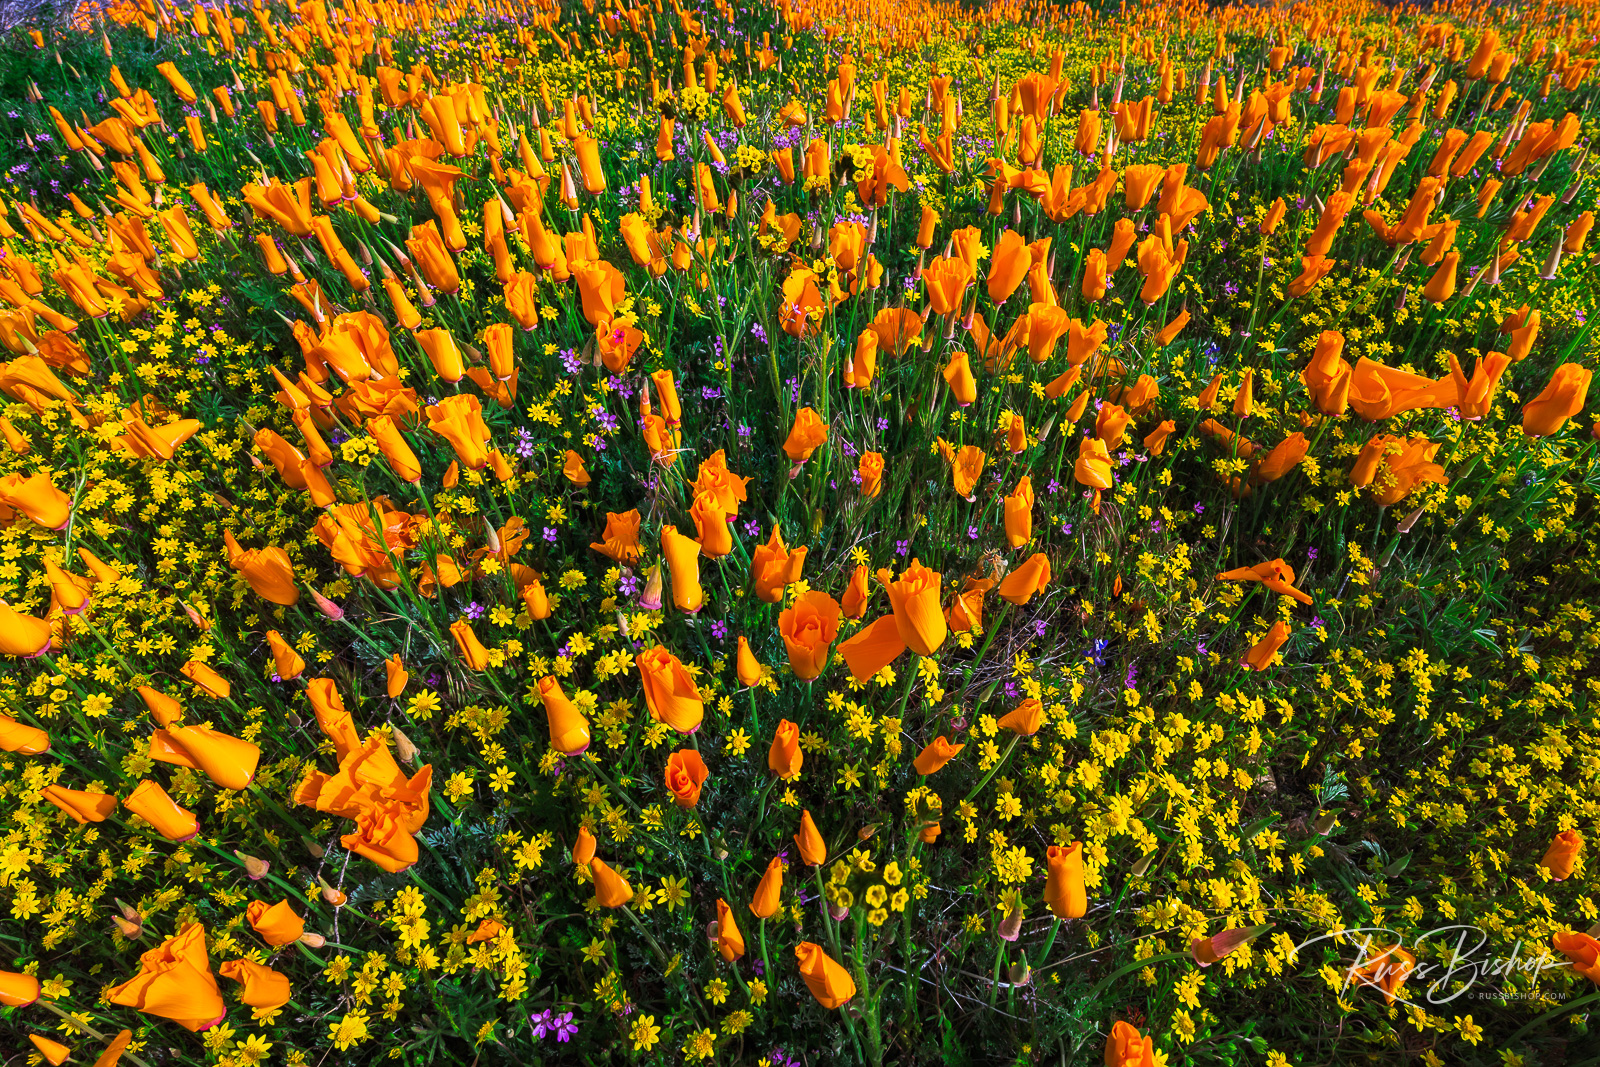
{"x": 550, "y": 534}
{"x": 719, "y": 630}
{"x": 474, "y": 611}
{"x": 565, "y": 1027}
{"x": 902, "y": 548}
{"x": 542, "y": 1024}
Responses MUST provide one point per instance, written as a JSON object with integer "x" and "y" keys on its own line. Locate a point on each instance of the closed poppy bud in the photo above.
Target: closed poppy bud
{"x": 1562, "y": 856}
{"x": 21, "y": 738}
{"x": 1265, "y": 651}
{"x": 1025, "y": 719}
{"x": 809, "y": 628}
{"x": 854, "y": 604}
{"x": 711, "y": 522}
{"x": 266, "y": 570}
{"x": 1523, "y": 337}
{"x": 1442, "y": 285}
{"x": 536, "y": 600}
{"x": 938, "y": 752}
{"x": 22, "y": 635}
{"x": 1126, "y": 1047}
{"x": 669, "y": 691}
{"x": 1282, "y": 459}
{"x": 830, "y": 983}
{"x": 1021, "y": 584}
{"x": 813, "y": 851}
{"x": 764, "y": 903}
{"x": 807, "y": 434}
{"x": 473, "y": 654}
{"x": 683, "y": 557}
{"x": 1008, "y": 266}
{"x": 440, "y": 348}
{"x": 925, "y": 227}
{"x": 1561, "y": 399}
{"x": 38, "y": 498}
{"x": 784, "y": 757}
{"x": 276, "y": 923}
{"x": 396, "y": 676}
{"x": 573, "y": 470}
{"x": 1275, "y": 214}
{"x": 730, "y": 942}
{"x": 54, "y": 1052}
{"x": 870, "y": 469}
{"x": 583, "y": 847}
{"x": 18, "y": 990}
{"x": 746, "y": 665}
{"x": 83, "y": 807}
{"x": 610, "y": 888}
{"x": 686, "y": 773}
{"x": 966, "y": 467}
{"x": 150, "y": 802}
{"x": 1064, "y": 888}
{"x": 1577, "y": 233}
{"x": 285, "y": 660}
{"x": 209, "y": 681}
{"x": 69, "y": 592}
{"x": 1242, "y": 402}
{"x": 392, "y": 443}
{"x": 1094, "y": 275}
{"x": 1155, "y": 442}
{"x": 228, "y": 761}
{"x": 569, "y": 728}
{"x": 958, "y": 374}
{"x": 1172, "y": 330}
{"x": 1582, "y": 949}
{"x": 1019, "y": 514}
{"x": 1208, "y": 950}
{"x": 264, "y": 988}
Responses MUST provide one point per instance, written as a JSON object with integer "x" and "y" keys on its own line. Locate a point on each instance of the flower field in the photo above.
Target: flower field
{"x": 826, "y": 532}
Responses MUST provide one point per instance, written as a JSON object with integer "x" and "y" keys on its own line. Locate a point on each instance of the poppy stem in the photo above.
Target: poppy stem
{"x": 993, "y": 770}
{"x": 654, "y": 945}
{"x": 987, "y": 638}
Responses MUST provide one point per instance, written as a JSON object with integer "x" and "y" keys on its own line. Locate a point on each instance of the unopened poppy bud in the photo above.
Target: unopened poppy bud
{"x": 1011, "y": 926}
{"x": 194, "y": 616}
{"x": 1410, "y": 520}
{"x": 839, "y": 914}
{"x": 256, "y": 868}
{"x": 1019, "y": 973}
{"x": 327, "y": 607}
{"x": 650, "y": 600}
{"x": 866, "y": 832}
{"x": 333, "y": 896}
{"x": 315, "y": 849}
{"x": 403, "y": 746}
{"x": 129, "y": 930}
{"x": 129, "y": 911}
{"x": 312, "y": 940}
{"x": 1142, "y": 865}
{"x": 1325, "y": 822}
